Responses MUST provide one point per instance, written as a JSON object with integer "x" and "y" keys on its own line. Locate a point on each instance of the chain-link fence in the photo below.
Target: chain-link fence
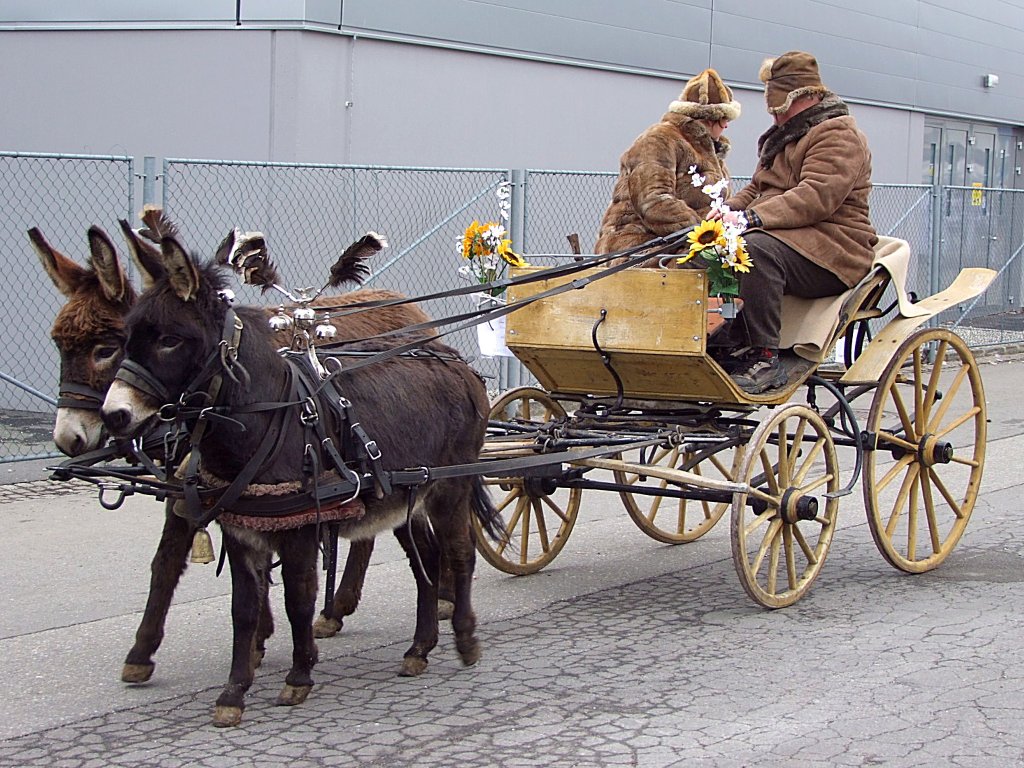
{"x": 62, "y": 195}
{"x": 310, "y": 212}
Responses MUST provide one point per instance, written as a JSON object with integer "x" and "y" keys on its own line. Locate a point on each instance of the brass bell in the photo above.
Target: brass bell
{"x": 202, "y": 547}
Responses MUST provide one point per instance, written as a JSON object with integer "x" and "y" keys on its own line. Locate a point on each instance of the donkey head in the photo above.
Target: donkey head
{"x": 173, "y": 331}
{"x": 89, "y": 332}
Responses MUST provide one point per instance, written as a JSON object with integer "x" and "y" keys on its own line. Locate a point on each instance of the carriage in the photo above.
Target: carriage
{"x": 632, "y": 402}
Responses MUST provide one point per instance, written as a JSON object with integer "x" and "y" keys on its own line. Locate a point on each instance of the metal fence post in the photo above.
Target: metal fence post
{"x": 148, "y": 180}
{"x": 512, "y": 371}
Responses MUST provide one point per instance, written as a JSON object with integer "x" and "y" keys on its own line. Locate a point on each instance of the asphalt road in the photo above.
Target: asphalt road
{"x": 623, "y": 652}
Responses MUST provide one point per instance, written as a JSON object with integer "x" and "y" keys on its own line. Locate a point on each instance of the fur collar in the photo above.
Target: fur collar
{"x": 775, "y": 139}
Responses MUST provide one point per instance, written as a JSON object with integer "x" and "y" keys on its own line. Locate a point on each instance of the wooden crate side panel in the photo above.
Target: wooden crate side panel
{"x": 645, "y": 310}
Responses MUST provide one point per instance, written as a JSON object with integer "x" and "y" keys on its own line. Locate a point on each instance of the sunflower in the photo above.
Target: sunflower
{"x": 706, "y": 234}
{"x": 741, "y": 259}
{"x": 471, "y": 240}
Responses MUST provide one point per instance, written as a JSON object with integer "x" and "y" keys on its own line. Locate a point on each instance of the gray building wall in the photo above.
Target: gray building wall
{"x": 509, "y": 83}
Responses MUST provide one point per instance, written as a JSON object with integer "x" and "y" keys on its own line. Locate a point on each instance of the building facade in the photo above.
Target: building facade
{"x": 559, "y": 84}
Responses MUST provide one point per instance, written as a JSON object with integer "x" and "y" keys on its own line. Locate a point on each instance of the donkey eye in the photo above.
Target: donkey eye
{"x": 104, "y": 354}
{"x": 169, "y": 342}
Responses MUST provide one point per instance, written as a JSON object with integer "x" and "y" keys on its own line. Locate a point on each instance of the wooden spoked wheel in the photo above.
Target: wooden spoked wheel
{"x": 673, "y": 520}
{"x": 927, "y": 427}
{"x": 538, "y": 517}
{"x": 782, "y": 526}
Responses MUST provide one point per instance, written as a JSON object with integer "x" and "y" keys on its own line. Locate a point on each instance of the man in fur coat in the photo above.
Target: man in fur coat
{"x": 807, "y": 207}
{"x": 654, "y": 194}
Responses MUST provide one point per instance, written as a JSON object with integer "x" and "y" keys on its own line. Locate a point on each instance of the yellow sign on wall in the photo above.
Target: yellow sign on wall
{"x": 977, "y": 196}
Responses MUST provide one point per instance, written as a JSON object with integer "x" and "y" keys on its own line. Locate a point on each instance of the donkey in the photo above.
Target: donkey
{"x": 429, "y": 411}
{"x": 90, "y": 336}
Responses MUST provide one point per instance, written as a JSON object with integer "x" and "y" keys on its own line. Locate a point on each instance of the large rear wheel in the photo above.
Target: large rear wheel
{"x": 678, "y": 520}
{"x": 923, "y": 468}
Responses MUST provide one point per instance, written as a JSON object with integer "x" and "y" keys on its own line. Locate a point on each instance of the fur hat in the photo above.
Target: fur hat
{"x": 787, "y": 78}
{"x": 706, "y": 97}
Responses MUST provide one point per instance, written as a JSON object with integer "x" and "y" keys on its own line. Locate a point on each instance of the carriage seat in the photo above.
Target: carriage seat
{"x": 809, "y": 326}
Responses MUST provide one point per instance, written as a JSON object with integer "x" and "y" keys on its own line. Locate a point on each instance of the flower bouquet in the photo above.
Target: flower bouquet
{"x": 719, "y": 242}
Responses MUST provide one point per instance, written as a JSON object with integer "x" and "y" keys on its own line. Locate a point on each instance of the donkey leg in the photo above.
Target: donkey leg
{"x": 445, "y": 589}
{"x": 421, "y": 548}
{"x": 350, "y": 590}
{"x": 456, "y": 537}
{"x": 168, "y": 564}
{"x": 265, "y": 626}
{"x": 298, "y": 571}
{"x": 248, "y": 558}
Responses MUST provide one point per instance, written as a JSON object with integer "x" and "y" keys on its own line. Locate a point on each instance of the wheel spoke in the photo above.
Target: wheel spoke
{"x": 947, "y": 399}
{"x": 901, "y": 499}
{"x": 787, "y": 538}
{"x": 912, "y": 519}
{"x": 808, "y": 462}
{"x": 812, "y": 558}
{"x": 958, "y": 422}
{"x": 929, "y": 509}
{"x": 904, "y": 414}
{"x": 919, "y": 420}
{"x": 542, "y": 528}
{"x": 769, "y": 473}
{"x": 783, "y": 456}
{"x": 889, "y": 437}
{"x": 933, "y": 383}
{"x": 817, "y": 483}
{"x": 523, "y": 511}
{"x": 766, "y": 541}
{"x": 896, "y": 468}
{"x": 767, "y": 515}
{"x": 555, "y": 508}
{"x": 773, "y": 564}
{"x": 794, "y": 451}
{"x": 953, "y": 503}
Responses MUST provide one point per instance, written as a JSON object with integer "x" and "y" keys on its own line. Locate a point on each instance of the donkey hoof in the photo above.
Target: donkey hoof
{"x": 412, "y": 666}
{"x": 469, "y": 653}
{"x": 291, "y": 695}
{"x": 137, "y": 673}
{"x": 227, "y": 717}
{"x": 445, "y": 609}
{"x": 325, "y": 627}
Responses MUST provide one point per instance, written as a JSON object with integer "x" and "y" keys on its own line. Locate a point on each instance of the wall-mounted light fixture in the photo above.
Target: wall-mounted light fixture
{"x": 990, "y": 80}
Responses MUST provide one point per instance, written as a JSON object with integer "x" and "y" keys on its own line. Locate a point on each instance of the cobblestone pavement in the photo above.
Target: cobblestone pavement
{"x": 623, "y": 653}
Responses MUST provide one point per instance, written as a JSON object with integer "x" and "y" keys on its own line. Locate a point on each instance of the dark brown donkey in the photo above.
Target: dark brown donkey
{"x": 423, "y": 412}
{"x": 90, "y": 337}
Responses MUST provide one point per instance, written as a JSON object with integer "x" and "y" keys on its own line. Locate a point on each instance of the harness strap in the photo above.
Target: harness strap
{"x": 72, "y": 395}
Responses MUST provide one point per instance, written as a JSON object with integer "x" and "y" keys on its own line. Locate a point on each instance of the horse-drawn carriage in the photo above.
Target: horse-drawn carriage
{"x": 630, "y": 401}
{"x": 626, "y": 374}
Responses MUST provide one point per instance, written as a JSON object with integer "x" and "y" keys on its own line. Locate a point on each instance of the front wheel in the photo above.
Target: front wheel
{"x": 782, "y": 527}
{"x": 538, "y": 515}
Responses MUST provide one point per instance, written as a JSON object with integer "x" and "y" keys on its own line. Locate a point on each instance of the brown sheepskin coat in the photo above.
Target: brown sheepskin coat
{"x": 811, "y": 187}
{"x": 654, "y": 194}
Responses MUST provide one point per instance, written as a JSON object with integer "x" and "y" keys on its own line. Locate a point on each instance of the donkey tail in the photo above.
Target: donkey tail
{"x": 488, "y": 515}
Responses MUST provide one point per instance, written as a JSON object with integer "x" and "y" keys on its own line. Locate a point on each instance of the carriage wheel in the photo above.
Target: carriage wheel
{"x": 927, "y": 423}
{"x": 677, "y": 521}
{"x": 538, "y": 518}
{"x": 782, "y": 527}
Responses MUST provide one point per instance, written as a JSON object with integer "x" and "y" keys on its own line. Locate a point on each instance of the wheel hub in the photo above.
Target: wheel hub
{"x": 934, "y": 451}
{"x": 796, "y": 506}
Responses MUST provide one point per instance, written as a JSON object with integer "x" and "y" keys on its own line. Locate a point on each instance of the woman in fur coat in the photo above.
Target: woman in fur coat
{"x": 654, "y": 194}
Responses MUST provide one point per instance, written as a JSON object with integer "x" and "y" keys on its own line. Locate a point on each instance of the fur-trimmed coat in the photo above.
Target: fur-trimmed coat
{"x": 654, "y": 194}
{"x": 810, "y": 189}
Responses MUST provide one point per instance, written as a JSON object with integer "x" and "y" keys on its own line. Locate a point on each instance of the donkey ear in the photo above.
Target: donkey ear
{"x": 147, "y": 257}
{"x": 182, "y": 273}
{"x": 64, "y": 273}
{"x": 107, "y": 267}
